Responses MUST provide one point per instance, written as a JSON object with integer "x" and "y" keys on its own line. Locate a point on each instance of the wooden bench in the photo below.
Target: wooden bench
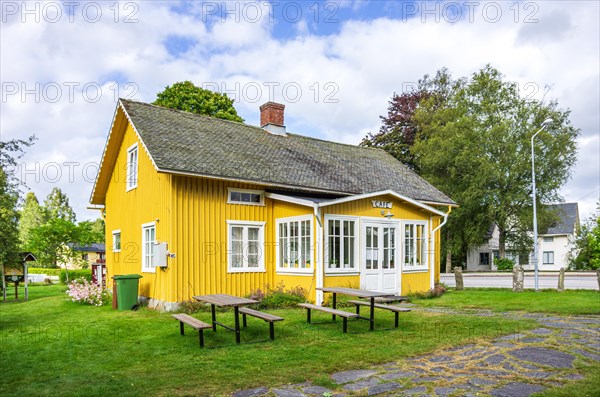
{"x": 194, "y": 323}
{"x": 397, "y": 310}
{"x": 344, "y": 315}
{"x": 270, "y": 318}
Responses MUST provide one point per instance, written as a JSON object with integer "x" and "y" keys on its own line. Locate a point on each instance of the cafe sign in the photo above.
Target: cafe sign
{"x": 381, "y": 204}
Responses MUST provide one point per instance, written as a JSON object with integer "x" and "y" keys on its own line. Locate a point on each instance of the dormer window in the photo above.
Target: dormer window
{"x": 245, "y": 196}
{"x": 132, "y": 167}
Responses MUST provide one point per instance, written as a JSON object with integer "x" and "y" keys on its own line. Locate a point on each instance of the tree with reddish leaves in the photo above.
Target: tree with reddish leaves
{"x": 398, "y": 130}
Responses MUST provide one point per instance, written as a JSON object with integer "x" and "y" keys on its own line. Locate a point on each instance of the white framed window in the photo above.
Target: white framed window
{"x": 294, "y": 244}
{"x": 245, "y": 246}
{"x": 132, "y": 167}
{"x": 341, "y": 250}
{"x": 415, "y": 246}
{"x": 148, "y": 240}
{"x": 116, "y": 240}
{"x": 548, "y": 239}
{"x": 245, "y": 196}
{"x": 548, "y": 258}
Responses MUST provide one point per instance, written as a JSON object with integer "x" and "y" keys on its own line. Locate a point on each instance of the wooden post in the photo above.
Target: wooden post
{"x": 17, "y": 291}
{"x": 26, "y": 281}
{"x": 561, "y": 280}
{"x": 458, "y": 277}
{"x": 3, "y": 284}
{"x": 114, "y": 298}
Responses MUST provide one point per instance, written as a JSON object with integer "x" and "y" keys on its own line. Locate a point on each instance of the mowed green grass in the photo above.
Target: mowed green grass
{"x": 570, "y": 302}
{"x": 51, "y": 346}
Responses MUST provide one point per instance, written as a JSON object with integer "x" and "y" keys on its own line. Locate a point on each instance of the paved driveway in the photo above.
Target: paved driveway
{"x": 578, "y": 280}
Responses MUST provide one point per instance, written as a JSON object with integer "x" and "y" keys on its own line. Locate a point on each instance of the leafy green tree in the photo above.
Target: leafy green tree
{"x": 186, "y": 96}
{"x": 10, "y": 151}
{"x": 475, "y": 146}
{"x": 585, "y": 254}
{"x": 9, "y": 221}
{"x": 32, "y": 216}
{"x": 50, "y": 241}
{"x": 92, "y": 231}
{"x": 57, "y": 206}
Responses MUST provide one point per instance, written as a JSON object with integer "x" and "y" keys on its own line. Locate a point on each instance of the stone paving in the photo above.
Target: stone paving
{"x": 516, "y": 365}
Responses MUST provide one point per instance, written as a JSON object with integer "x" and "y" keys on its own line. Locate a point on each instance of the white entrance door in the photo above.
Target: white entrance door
{"x": 379, "y": 268}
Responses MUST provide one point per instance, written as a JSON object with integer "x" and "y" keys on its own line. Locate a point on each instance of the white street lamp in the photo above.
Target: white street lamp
{"x": 535, "y": 232}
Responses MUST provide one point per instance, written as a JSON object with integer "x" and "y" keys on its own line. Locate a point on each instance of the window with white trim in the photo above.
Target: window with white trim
{"x": 548, "y": 258}
{"x": 341, "y": 253}
{"x": 294, "y": 243}
{"x": 132, "y": 167}
{"x": 148, "y": 240}
{"x": 415, "y": 246}
{"x": 116, "y": 236}
{"x": 245, "y": 196}
{"x": 548, "y": 239}
{"x": 245, "y": 242}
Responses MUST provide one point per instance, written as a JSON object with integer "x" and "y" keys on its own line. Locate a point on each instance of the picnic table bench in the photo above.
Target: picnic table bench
{"x": 397, "y": 310}
{"x": 344, "y": 315}
{"x": 269, "y": 318}
{"x": 194, "y": 323}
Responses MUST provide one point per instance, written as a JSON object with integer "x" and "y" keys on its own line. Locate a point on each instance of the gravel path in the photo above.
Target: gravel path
{"x": 516, "y": 365}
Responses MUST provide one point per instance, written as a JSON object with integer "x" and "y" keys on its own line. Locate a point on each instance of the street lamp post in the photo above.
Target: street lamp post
{"x": 535, "y": 232}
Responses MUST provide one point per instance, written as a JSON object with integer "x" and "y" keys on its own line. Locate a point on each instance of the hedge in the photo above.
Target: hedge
{"x": 41, "y": 270}
{"x": 74, "y": 274}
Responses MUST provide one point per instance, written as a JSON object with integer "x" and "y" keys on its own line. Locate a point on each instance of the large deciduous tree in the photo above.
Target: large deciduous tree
{"x": 33, "y": 215}
{"x": 476, "y": 147}
{"x": 186, "y": 96}
{"x": 57, "y": 206}
{"x": 585, "y": 254}
{"x": 10, "y": 151}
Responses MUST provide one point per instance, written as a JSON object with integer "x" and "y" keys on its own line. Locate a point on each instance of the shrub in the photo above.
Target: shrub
{"x": 82, "y": 291}
{"x": 278, "y": 297}
{"x": 504, "y": 264}
{"x": 41, "y": 270}
{"x": 191, "y": 306}
{"x": 437, "y": 291}
{"x": 75, "y": 274}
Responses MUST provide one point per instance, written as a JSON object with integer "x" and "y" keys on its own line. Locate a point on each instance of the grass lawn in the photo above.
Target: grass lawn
{"x": 570, "y": 302}
{"x": 51, "y": 346}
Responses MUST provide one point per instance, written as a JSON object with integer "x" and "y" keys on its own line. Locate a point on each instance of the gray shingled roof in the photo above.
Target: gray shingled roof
{"x": 568, "y": 218}
{"x": 190, "y": 143}
{"x": 94, "y": 247}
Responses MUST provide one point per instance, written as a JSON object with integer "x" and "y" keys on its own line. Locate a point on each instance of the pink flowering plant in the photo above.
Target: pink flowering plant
{"x": 83, "y": 291}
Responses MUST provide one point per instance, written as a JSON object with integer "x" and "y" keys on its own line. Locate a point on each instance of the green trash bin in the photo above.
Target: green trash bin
{"x": 127, "y": 290}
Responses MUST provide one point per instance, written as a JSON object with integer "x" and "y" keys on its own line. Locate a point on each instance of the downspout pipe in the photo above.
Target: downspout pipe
{"x": 320, "y": 248}
{"x": 432, "y": 265}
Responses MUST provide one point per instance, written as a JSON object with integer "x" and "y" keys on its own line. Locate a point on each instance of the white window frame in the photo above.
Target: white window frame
{"x": 548, "y": 239}
{"x": 231, "y": 190}
{"x": 149, "y": 268}
{"x": 115, "y": 233}
{"x": 281, "y": 269}
{"x": 261, "y": 246}
{"x": 130, "y": 181}
{"x": 547, "y": 254}
{"x": 424, "y": 266}
{"x": 357, "y": 242}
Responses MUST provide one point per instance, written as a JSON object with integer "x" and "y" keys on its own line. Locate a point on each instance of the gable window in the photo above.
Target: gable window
{"x": 132, "y": 167}
{"x": 245, "y": 242}
{"x": 245, "y": 196}
{"x": 548, "y": 239}
{"x": 484, "y": 258}
{"x": 148, "y": 240}
{"x": 548, "y": 258}
{"x": 116, "y": 246}
{"x": 342, "y": 247}
{"x": 415, "y": 246}
{"x": 294, "y": 238}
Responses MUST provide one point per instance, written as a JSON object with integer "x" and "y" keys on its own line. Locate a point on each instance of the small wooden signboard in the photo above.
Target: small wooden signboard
{"x": 17, "y": 273}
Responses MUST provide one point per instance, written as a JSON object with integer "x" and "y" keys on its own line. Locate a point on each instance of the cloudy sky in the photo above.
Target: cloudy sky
{"x": 334, "y": 65}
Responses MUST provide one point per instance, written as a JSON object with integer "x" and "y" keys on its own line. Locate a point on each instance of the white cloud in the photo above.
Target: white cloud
{"x": 357, "y": 69}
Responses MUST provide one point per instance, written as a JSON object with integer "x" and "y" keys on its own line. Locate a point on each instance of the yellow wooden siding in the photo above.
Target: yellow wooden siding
{"x": 128, "y": 210}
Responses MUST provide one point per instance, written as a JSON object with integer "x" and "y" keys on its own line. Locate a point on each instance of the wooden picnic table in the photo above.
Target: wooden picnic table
{"x": 224, "y": 300}
{"x": 361, "y": 293}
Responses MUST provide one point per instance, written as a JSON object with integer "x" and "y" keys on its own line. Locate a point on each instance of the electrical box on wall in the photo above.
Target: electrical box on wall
{"x": 160, "y": 255}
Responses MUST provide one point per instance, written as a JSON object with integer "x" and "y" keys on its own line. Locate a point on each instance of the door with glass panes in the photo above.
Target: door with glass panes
{"x": 379, "y": 270}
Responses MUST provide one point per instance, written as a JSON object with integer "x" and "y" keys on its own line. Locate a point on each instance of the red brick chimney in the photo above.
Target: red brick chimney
{"x": 271, "y": 118}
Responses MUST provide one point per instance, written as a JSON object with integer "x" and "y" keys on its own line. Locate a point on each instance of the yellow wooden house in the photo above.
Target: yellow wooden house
{"x": 199, "y": 205}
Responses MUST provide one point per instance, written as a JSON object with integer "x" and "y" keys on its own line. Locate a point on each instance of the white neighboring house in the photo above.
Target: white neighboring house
{"x": 554, "y": 244}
